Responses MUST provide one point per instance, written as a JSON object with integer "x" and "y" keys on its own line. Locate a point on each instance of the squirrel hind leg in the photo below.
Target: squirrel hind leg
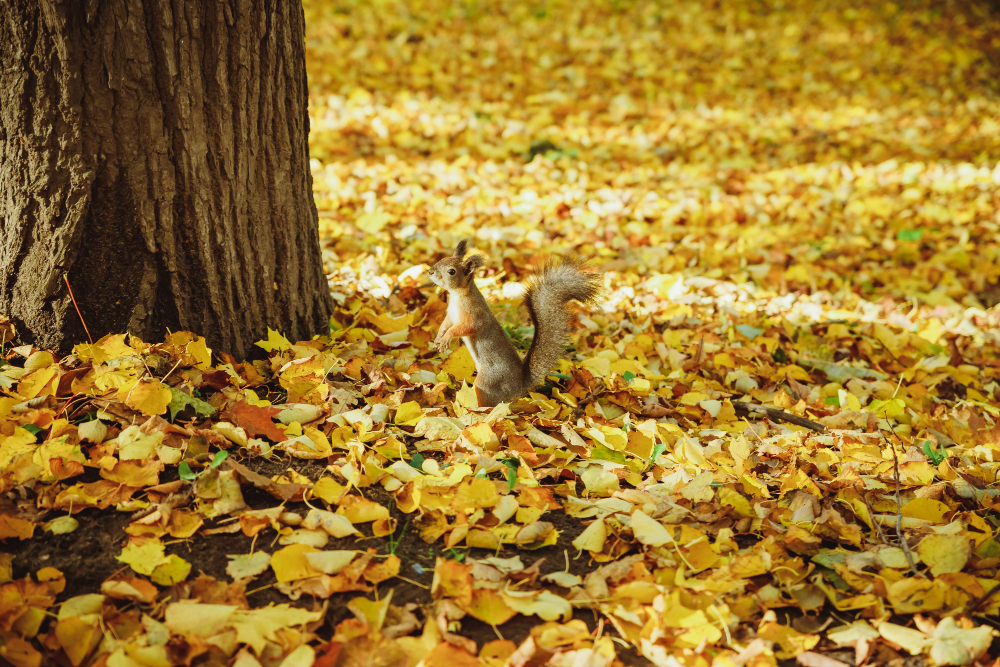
{"x": 481, "y": 397}
{"x": 489, "y": 396}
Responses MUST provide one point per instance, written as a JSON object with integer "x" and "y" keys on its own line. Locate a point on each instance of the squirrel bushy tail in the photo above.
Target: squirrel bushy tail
{"x": 548, "y": 292}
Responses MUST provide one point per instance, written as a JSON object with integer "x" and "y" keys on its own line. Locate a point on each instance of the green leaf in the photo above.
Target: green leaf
{"x": 32, "y": 429}
{"x": 219, "y": 457}
{"x": 935, "y": 456}
{"x": 780, "y": 356}
{"x": 185, "y": 472}
{"x": 179, "y": 400}
{"x": 658, "y": 449}
{"x": 909, "y": 234}
{"x": 512, "y": 465}
{"x": 602, "y": 453}
{"x": 832, "y": 400}
{"x": 749, "y": 331}
{"x": 829, "y": 558}
{"x": 417, "y": 461}
{"x": 628, "y": 375}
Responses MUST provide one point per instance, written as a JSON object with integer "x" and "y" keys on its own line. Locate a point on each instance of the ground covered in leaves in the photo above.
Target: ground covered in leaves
{"x": 795, "y": 206}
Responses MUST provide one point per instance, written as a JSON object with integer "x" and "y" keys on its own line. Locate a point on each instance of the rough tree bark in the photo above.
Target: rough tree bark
{"x": 155, "y": 152}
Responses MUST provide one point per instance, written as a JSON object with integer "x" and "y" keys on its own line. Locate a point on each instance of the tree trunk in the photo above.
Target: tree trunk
{"x": 155, "y": 153}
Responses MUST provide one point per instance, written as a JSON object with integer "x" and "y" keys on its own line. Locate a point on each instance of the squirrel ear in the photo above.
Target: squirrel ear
{"x": 460, "y": 250}
{"x": 472, "y": 263}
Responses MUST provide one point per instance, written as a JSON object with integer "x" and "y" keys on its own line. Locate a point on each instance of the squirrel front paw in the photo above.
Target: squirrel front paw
{"x": 442, "y": 342}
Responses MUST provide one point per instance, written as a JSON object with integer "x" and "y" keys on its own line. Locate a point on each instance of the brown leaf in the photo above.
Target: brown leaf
{"x": 255, "y": 420}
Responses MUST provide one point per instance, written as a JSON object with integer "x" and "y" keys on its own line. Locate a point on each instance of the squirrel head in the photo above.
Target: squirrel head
{"x": 457, "y": 271}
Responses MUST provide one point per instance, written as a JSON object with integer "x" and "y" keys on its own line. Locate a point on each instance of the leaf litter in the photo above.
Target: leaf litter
{"x": 795, "y": 211}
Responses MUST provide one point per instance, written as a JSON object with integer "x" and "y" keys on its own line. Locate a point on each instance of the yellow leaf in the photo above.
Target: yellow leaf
{"x": 796, "y": 373}
{"x": 692, "y": 398}
{"x": 623, "y": 366}
{"x": 647, "y": 530}
{"x": 592, "y": 538}
{"x": 481, "y": 434}
{"x": 459, "y": 364}
{"x": 382, "y": 570}
{"x": 192, "y": 617}
{"x": 954, "y": 645}
{"x": 41, "y": 382}
{"x": 945, "y": 554}
{"x": 913, "y": 595}
{"x": 475, "y": 493}
{"x": 730, "y": 498}
{"x": 328, "y": 489}
{"x": 330, "y": 562}
{"x": 144, "y": 557}
{"x": 885, "y": 336}
{"x": 699, "y": 489}
{"x": 600, "y": 366}
{"x": 201, "y": 353}
{"x": 373, "y": 222}
{"x": 275, "y": 341}
{"x": 489, "y": 607}
{"x": 62, "y": 525}
{"x": 408, "y": 414}
{"x": 791, "y": 641}
{"x": 362, "y": 510}
{"x": 724, "y": 360}
{"x": 290, "y": 563}
{"x": 150, "y": 397}
{"x": 546, "y": 605}
{"x": 373, "y": 611}
{"x": 915, "y": 473}
{"x": 754, "y": 486}
{"x": 11, "y": 526}
{"x": 909, "y": 639}
{"x": 249, "y": 565}
{"x": 75, "y": 636}
{"x": 700, "y": 555}
{"x": 926, "y": 509}
{"x": 466, "y": 396}
{"x": 6, "y": 567}
{"x": 386, "y": 323}
{"x": 600, "y": 482}
{"x": 169, "y": 573}
{"x": 19, "y": 652}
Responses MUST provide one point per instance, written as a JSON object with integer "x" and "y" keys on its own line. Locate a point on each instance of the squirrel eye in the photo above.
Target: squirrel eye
{"x": 451, "y": 272}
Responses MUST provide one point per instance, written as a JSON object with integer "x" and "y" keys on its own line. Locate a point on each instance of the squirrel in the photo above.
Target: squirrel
{"x": 502, "y": 376}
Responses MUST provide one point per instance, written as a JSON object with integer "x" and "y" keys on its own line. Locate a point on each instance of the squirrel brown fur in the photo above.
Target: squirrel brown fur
{"x": 502, "y": 376}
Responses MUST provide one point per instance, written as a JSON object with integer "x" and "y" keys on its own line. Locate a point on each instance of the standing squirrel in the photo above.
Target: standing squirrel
{"x": 502, "y": 375}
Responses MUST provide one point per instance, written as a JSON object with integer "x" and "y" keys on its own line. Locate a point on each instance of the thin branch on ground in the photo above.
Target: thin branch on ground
{"x": 777, "y": 415}
{"x": 974, "y": 605}
{"x": 899, "y": 505}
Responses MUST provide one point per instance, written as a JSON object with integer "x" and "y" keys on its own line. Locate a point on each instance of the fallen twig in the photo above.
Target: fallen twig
{"x": 777, "y": 415}
{"x": 66, "y": 278}
{"x": 899, "y": 504}
{"x": 173, "y": 501}
{"x": 974, "y": 605}
{"x": 871, "y": 514}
